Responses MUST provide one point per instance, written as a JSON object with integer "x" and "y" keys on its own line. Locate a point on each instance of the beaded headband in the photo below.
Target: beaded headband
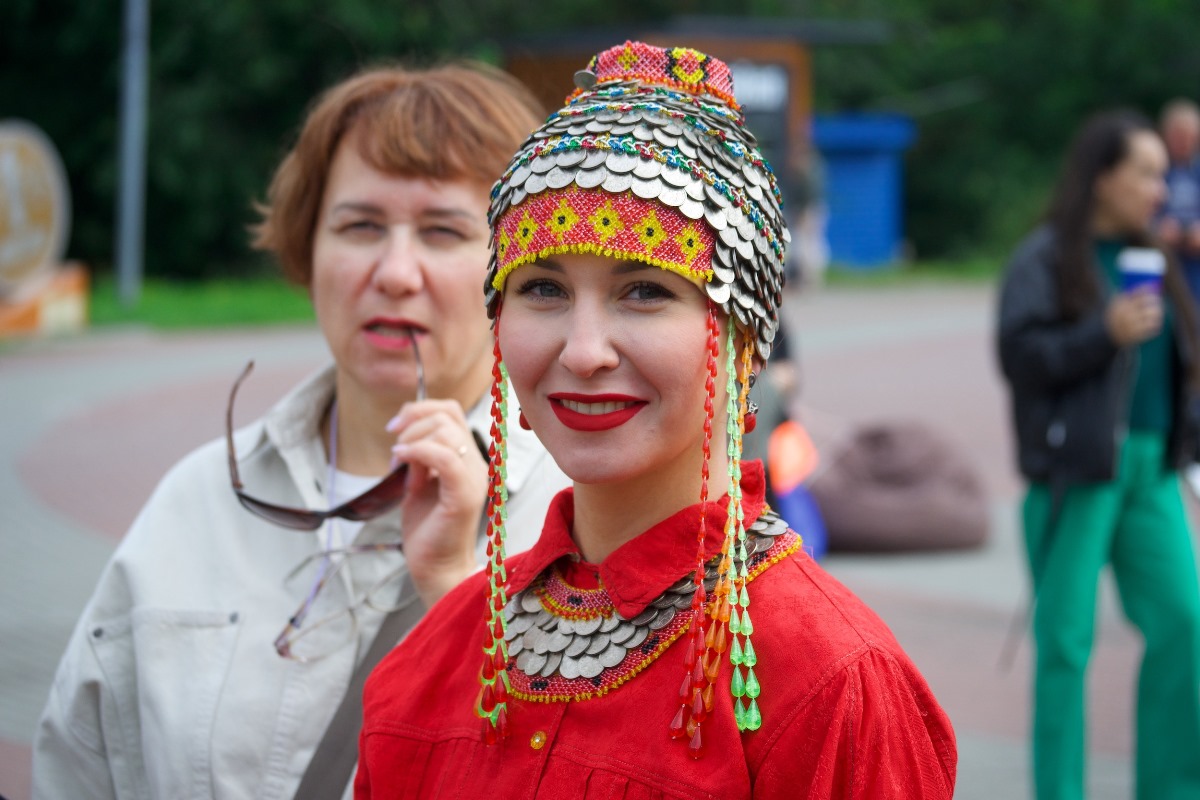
{"x": 650, "y": 161}
{"x": 650, "y": 130}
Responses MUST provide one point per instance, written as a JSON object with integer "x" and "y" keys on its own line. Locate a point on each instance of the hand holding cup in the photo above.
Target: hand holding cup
{"x": 1136, "y": 314}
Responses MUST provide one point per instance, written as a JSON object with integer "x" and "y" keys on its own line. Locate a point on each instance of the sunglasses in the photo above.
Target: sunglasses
{"x": 377, "y": 500}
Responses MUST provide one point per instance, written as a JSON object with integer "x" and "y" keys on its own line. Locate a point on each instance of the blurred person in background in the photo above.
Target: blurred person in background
{"x": 1178, "y": 222}
{"x": 1103, "y": 385}
{"x": 170, "y": 686}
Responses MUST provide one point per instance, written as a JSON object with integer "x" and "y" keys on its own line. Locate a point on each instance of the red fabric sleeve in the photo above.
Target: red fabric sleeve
{"x": 872, "y": 731}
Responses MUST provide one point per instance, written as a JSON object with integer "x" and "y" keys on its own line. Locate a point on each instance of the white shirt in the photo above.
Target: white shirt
{"x": 170, "y": 686}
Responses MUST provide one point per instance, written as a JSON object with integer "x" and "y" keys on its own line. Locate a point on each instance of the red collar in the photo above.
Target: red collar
{"x": 643, "y": 568}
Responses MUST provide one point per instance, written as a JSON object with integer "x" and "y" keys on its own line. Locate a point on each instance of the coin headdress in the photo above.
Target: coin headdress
{"x": 650, "y": 161}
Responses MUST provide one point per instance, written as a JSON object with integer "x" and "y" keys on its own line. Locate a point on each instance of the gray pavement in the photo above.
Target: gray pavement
{"x": 89, "y": 423}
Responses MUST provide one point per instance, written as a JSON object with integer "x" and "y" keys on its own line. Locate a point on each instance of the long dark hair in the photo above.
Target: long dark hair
{"x": 1100, "y": 145}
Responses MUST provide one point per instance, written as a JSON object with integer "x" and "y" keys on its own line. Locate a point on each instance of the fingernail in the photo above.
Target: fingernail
{"x": 392, "y": 424}
{"x": 398, "y": 454}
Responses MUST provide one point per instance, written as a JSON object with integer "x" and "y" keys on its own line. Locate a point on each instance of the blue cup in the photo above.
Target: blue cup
{"x": 1141, "y": 267}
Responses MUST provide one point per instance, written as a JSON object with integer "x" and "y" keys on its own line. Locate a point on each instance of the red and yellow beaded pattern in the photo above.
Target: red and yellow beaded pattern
{"x": 677, "y": 67}
{"x": 594, "y": 221}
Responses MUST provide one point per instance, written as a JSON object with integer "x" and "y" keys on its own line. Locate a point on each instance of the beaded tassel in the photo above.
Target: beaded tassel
{"x": 492, "y": 704}
{"x": 741, "y": 652}
{"x": 696, "y": 686}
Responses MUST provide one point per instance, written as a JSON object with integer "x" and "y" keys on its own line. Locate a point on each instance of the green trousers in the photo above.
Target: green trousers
{"x": 1136, "y": 523}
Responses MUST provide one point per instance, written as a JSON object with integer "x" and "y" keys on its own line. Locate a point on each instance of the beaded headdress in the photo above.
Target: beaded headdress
{"x": 650, "y": 161}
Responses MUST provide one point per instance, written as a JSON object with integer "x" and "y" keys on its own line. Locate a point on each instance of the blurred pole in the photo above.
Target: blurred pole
{"x": 131, "y": 191}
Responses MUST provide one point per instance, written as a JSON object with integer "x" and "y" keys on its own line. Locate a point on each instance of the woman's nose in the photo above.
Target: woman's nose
{"x": 399, "y": 270}
{"x": 590, "y": 340}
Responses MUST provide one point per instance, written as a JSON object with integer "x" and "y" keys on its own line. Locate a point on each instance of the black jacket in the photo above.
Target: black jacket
{"x": 1070, "y": 383}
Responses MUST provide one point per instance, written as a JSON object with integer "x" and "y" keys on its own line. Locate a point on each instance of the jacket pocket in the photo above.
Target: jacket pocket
{"x": 166, "y": 669}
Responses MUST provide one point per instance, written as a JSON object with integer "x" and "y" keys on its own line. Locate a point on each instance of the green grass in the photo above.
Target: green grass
{"x": 206, "y": 304}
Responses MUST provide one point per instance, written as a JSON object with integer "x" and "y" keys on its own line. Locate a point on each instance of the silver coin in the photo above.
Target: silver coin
{"x": 610, "y": 623}
{"x": 638, "y": 637}
{"x": 566, "y": 626}
{"x": 644, "y": 617}
{"x": 593, "y": 159}
{"x": 695, "y": 190}
{"x": 643, "y": 133}
{"x": 577, "y": 647}
{"x": 715, "y": 218}
{"x": 752, "y": 174}
{"x": 743, "y": 299}
{"x": 541, "y": 165}
{"x": 552, "y": 662}
{"x": 729, "y": 237}
{"x": 570, "y": 158}
{"x": 516, "y": 646}
{"x": 569, "y": 668}
{"x": 647, "y": 190}
{"x": 531, "y": 602}
{"x": 621, "y": 129}
{"x": 663, "y": 601}
{"x": 672, "y": 196}
{"x": 692, "y": 209}
{"x": 517, "y": 626}
{"x": 616, "y": 184}
{"x": 590, "y": 179}
{"x": 544, "y": 618}
{"x": 599, "y": 641}
{"x": 662, "y": 619}
{"x": 717, "y": 292}
{"x": 518, "y": 197}
{"x": 590, "y": 666}
{"x": 621, "y": 162}
{"x": 630, "y": 118}
{"x": 621, "y": 633}
{"x": 535, "y": 184}
{"x": 596, "y": 126}
{"x": 734, "y": 216}
{"x": 745, "y": 250}
{"x": 530, "y": 662}
{"x": 688, "y": 148}
{"x": 519, "y": 175}
{"x": 664, "y": 138}
{"x": 647, "y": 168}
{"x": 721, "y": 272}
{"x": 607, "y": 115}
{"x": 577, "y": 128}
{"x": 540, "y": 641}
{"x": 714, "y": 195}
{"x": 756, "y": 192}
{"x": 559, "y": 641}
{"x": 735, "y": 178}
{"x": 676, "y": 177}
{"x": 584, "y": 627}
{"x": 558, "y": 178}
{"x": 612, "y": 656}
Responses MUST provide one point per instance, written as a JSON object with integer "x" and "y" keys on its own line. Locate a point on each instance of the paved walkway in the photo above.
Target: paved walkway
{"x": 90, "y": 423}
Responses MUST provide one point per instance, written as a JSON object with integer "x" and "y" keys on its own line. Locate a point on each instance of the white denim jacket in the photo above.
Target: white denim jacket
{"x": 170, "y": 686}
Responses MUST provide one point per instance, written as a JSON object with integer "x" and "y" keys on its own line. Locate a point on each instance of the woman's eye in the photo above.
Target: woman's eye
{"x": 540, "y": 288}
{"x": 360, "y": 226}
{"x": 647, "y": 291}
{"x": 443, "y": 235}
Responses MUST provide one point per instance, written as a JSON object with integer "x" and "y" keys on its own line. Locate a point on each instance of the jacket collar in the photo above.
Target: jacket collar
{"x": 643, "y": 568}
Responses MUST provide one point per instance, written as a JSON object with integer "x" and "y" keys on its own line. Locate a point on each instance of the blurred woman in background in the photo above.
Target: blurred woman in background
{"x": 1103, "y": 380}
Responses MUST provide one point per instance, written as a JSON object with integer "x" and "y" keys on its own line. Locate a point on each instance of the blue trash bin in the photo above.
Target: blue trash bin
{"x": 862, "y": 155}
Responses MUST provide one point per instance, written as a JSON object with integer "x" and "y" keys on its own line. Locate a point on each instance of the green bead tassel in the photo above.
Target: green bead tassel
{"x": 739, "y": 714}
{"x": 749, "y": 657}
{"x": 747, "y": 625}
{"x": 743, "y": 598}
{"x": 735, "y": 652}
{"x": 753, "y": 717}
{"x": 751, "y": 685}
{"x": 735, "y": 625}
{"x": 738, "y": 685}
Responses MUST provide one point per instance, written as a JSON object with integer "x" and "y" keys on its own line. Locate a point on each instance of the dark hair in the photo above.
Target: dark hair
{"x": 1100, "y": 145}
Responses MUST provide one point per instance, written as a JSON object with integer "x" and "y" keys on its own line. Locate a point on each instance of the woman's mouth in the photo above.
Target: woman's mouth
{"x": 595, "y": 413}
{"x": 391, "y": 334}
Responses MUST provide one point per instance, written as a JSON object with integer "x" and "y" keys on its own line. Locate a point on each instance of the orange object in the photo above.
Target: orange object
{"x": 791, "y": 456}
{"x": 57, "y": 303}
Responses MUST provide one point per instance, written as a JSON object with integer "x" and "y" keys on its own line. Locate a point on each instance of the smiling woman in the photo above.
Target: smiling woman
{"x": 635, "y": 285}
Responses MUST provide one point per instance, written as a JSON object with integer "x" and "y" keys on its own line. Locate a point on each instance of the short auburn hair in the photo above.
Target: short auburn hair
{"x": 459, "y": 120}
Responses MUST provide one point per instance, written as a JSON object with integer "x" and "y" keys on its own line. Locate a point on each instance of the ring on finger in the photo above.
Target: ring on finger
{"x": 462, "y": 451}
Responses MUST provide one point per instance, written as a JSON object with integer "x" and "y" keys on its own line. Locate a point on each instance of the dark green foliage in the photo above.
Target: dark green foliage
{"x": 996, "y": 89}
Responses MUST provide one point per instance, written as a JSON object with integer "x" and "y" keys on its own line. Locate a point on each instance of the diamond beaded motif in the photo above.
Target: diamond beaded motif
{"x": 566, "y": 643}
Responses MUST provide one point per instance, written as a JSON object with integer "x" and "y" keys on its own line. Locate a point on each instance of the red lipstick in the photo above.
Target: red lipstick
{"x": 565, "y": 407}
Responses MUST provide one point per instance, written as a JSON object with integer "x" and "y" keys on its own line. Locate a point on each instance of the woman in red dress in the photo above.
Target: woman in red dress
{"x": 667, "y": 636}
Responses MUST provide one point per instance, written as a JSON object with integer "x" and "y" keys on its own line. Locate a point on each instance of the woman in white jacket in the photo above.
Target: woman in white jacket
{"x": 170, "y": 686}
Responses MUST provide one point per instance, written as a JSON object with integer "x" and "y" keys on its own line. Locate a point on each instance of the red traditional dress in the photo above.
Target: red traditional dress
{"x": 596, "y": 661}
